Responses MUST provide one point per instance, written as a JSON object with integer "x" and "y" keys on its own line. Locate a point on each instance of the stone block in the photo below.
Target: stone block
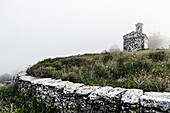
{"x": 156, "y": 100}
{"x": 132, "y": 96}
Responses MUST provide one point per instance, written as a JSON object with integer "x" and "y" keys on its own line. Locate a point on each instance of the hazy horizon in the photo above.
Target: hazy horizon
{"x": 37, "y": 29}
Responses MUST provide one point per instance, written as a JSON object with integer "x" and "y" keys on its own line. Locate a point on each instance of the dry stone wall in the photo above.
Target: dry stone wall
{"x": 68, "y": 97}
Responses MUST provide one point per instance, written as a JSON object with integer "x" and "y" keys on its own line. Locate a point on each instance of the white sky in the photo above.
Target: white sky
{"x": 31, "y": 30}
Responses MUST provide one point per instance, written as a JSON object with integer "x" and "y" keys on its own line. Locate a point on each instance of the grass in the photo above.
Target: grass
{"x": 12, "y": 101}
{"x": 148, "y": 70}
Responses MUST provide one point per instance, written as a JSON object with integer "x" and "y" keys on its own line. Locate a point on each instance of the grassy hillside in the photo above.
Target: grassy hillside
{"x": 148, "y": 70}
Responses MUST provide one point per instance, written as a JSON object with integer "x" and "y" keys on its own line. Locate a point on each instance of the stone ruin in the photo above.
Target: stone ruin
{"x": 135, "y": 40}
{"x": 68, "y": 97}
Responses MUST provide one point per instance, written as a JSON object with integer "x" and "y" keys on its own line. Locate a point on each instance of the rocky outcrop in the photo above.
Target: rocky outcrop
{"x": 68, "y": 97}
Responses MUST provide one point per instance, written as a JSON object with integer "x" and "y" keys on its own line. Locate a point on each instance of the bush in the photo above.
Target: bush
{"x": 100, "y": 71}
{"x": 71, "y": 77}
{"x": 73, "y": 61}
{"x": 157, "y": 56}
{"x": 45, "y": 72}
{"x": 106, "y": 58}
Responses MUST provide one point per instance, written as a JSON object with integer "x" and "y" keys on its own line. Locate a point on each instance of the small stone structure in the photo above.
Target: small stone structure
{"x": 68, "y": 97}
{"x": 134, "y": 41}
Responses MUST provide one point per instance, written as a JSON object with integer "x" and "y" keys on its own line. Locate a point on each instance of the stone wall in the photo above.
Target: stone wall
{"x": 68, "y": 97}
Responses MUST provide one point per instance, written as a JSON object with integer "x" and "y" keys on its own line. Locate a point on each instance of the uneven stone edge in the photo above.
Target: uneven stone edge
{"x": 129, "y": 97}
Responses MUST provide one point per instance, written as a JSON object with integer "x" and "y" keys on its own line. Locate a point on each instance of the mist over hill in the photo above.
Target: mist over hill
{"x": 6, "y": 77}
{"x": 157, "y": 40}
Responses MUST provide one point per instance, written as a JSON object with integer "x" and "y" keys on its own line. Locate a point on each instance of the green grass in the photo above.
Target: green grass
{"x": 148, "y": 70}
{"x": 12, "y": 101}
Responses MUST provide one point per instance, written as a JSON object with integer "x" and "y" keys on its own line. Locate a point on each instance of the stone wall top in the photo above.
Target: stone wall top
{"x": 153, "y": 100}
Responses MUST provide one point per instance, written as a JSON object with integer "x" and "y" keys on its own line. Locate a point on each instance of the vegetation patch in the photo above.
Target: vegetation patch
{"x": 148, "y": 70}
{"x": 12, "y": 101}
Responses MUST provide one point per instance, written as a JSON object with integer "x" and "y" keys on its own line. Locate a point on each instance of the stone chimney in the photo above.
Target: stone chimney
{"x": 139, "y": 27}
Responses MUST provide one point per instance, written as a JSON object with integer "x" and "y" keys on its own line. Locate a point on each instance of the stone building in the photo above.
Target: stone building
{"x": 135, "y": 40}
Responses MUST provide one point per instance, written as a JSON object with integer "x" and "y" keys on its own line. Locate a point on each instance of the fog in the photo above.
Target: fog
{"x": 6, "y": 77}
{"x": 158, "y": 41}
{"x": 31, "y": 30}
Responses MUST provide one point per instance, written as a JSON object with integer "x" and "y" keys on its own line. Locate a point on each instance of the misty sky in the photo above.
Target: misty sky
{"x": 31, "y": 30}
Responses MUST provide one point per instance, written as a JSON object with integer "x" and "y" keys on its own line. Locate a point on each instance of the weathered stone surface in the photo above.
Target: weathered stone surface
{"x": 68, "y": 97}
{"x": 50, "y": 82}
{"x": 156, "y": 100}
{"x": 100, "y": 92}
{"x": 132, "y": 96}
{"x": 69, "y": 89}
{"x": 114, "y": 95}
{"x": 40, "y": 80}
{"x": 135, "y": 40}
{"x": 26, "y": 78}
{"x": 62, "y": 84}
{"x": 85, "y": 90}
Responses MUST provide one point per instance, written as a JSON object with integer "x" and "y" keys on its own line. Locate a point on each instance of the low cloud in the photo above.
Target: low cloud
{"x": 6, "y": 77}
{"x": 158, "y": 41}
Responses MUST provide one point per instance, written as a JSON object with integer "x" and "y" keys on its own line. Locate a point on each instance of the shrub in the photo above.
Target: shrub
{"x": 71, "y": 77}
{"x": 100, "y": 71}
{"x": 57, "y": 65}
{"x": 73, "y": 61}
{"x": 106, "y": 58}
{"x": 157, "y": 56}
{"x": 45, "y": 72}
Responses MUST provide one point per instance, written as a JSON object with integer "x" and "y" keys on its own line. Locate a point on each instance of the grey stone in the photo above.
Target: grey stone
{"x": 100, "y": 92}
{"x": 62, "y": 84}
{"x": 50, "y": 82}
{"x": 114, "y": 94}
{"x": 40, "y": 80}
{"x": 132, "y": 96}
{"x": 85, "y": 90}
{"x": 156, "y": 100}
{"x": 26, "y": 78}
{"x": 135, "y": 40}
{"x": 69, "y": 89}
{"x": 68, "y": 97}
